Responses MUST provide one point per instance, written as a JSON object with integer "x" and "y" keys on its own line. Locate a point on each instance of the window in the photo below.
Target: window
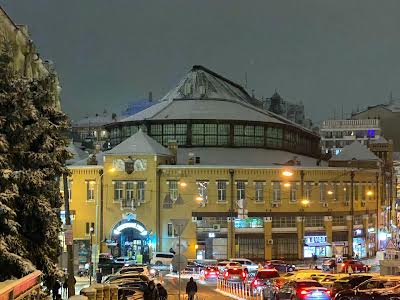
{"x": 140, "y": 191}
{"x": 322, "y": 191}
{"x": 118, "y": 190}
{"x": 170, "y": 230}
{"x": 88, "y": 226}
{"x": 221, "y": 191}
{"x": 357, "y": 220}
{"x": 338, "y": 221}
{"x": 259, "y": 187}
{"x": 130, "y": 190}
{"x": 240, "y": 190}
{"x": 90, "y": 190}
{"x": 346, "y": 192}
{"x": 276, "y": 191}
{"x": 283, "y": 222}
{"x": 293, "y": 192}
{"x": 356, "y": 190}
{"x": 173, "y": 189}
{"x": 314, "y": 221}
{"x": 307, "y": 190}
{"x": 202, "y": 189}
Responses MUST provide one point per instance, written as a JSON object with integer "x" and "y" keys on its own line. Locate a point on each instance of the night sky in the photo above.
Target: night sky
{"x": 324, "y": 53}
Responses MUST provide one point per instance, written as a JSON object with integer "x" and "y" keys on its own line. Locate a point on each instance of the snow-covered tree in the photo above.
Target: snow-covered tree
{"x": 32, "y": 158}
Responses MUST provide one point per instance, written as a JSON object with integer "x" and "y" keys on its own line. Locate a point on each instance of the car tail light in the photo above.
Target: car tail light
{"x": 226, "y": 274}
{"x": 256, "y": 282}
{"x": 328, "y": 292}
{"x": 243, "y": 274}
{"x": 303, "y": 292}
{"x": 343, "y": 265}
{"x": 206, "y": 272}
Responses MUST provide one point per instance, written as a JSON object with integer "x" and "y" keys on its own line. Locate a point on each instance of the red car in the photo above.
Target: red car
{"x": 235, "y": 275}
{"x": 211, "y": 273}
{"x": 353, "y": 265}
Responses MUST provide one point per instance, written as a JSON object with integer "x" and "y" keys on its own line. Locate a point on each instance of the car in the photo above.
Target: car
{"x": 234, "y": 274}
{"x": 140, "y": 269}
{"x": 364, "y": 290}
{"x": 303, "y": 274}
{"x": 329, "y": 264}
{"x": 280, "y": 265}
{"x": 107, "y": 265}
{"x": 353, "y": 265}
{"x": 304, "y": 290}
{"x": 211, "y": 273}
{"x": 161, "y": 258}
{"x": 124, "y": 261}
{"x": 262, "y": 278}
{"x": 246, "y": 263}
{"x": 125, "y": 278}
{"x": 385, "y": 294}
{"x": 348, "y": 282}
{"x": 222, "y": 265}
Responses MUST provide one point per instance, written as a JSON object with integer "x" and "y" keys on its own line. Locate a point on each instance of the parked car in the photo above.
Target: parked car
{"x": 107, "y": 265}
{"x": 222, "y": 265}
{"x": 211, "y": 273}
{"x": 246, "y": 263}
{"x": 364, "y": 290}
{"x": 329, "y": 264}
{"x": 140, "y": 269}
{"x": 280, "y": 265}
{"x": 385, "y": 294}
{"x": 355, "y": 265}
{"x": 161, "y": 258}
{"x": 125, "y": 278}
{"x": 263, "y": 278}
{"x": 303, "y": 289}
{"x": 124, "y": 261}
{"x": 348, "y": 282}
{"x": 235, "y": 274}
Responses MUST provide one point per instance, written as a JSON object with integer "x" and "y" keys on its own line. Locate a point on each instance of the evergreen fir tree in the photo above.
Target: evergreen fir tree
{"x": 32, "y": 158}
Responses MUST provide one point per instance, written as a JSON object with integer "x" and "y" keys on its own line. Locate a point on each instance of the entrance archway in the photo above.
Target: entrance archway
{"x": 131, "y": 237}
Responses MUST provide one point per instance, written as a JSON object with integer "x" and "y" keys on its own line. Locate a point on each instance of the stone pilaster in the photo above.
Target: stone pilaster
{"x": 231, "y": 238}
{"x": 365, "y": 221}
{"x": 268, "y": 238}
{"x": 328, "y": 230}
{"x": 300, "y": 237}
{"x": 350, "y": 233}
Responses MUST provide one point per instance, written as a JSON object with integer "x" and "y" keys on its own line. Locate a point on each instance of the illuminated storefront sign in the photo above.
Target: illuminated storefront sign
{"x": 315, "y": 239}
{"x": 132, "y": 225}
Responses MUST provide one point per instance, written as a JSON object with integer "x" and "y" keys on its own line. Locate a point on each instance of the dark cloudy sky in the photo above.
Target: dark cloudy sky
{"x": 325, "y": 53}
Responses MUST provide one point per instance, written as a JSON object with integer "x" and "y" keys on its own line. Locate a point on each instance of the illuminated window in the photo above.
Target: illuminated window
{"x": 90, "y": 184}
{"x": 173, "y": 189}
{"x": 202, "y": 190}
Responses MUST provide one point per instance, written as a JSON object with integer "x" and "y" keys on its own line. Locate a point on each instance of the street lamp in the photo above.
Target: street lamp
{"x": 287, "y": 173}
{"x": 183, "y": 184}
{"x": 286, "y": 184}
{"x": 91, "y": 255}
{"x": 304, "y": 204}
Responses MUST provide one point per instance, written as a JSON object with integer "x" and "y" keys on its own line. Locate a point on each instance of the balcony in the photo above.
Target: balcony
{"x": 128, "y": 204}
{"x": 350, "y": 124}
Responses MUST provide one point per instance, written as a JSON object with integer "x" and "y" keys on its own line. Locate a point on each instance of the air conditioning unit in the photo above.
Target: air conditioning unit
{"x": 216, "y": 227}
{"x": 347, "y": 203}
{"x": 325, "y": 204}
{"x": 275, "y": 205}
{"x": 194, "y": 219}
{"x": 270, "y": 242}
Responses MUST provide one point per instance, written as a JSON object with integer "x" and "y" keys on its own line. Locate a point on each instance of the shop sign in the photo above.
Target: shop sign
{"x": 315, "y": 239}
{"x": 132, "y": 225}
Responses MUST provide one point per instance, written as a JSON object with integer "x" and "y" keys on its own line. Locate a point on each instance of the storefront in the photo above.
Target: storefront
{"x": 359, "y": 247}
{"x": 318, "y": 245}
{"x": 340, "y": 245}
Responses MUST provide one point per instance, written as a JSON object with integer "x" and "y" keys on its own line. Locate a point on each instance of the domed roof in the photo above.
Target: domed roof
{"x": 205, "y": 95}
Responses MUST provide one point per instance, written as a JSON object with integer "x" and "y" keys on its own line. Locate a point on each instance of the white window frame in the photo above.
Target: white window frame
{"x": 293, "y": 192}
{"x": 120, "y": 191}
{"x": 276, "y": 191}
{"x": 259, "y": 191}
{"x": 322, "y": 191}
{"x": 221, "y": 191}
{"x": 90, "y": 190}
{"x": 173, "y": 189}
{"x": 140, "y": 190}
{"x": 240, "y": 190}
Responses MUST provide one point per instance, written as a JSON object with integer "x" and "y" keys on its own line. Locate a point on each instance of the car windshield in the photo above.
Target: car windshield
{"x": 139, "y": 270}
{"x": 303, "y": 284}
{"x": 267, "y": 274}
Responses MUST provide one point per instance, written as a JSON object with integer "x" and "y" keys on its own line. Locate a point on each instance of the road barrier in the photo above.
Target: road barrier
{"x": 242, "y": 290}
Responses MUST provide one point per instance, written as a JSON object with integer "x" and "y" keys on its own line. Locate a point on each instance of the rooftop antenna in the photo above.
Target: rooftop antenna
{"x": 245, "y": 80}
{"x": 390, "y": 97}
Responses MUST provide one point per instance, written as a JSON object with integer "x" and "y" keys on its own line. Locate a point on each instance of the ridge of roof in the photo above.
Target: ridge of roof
{"x": 355, "y": 151}
{"x": 139, "y": 143}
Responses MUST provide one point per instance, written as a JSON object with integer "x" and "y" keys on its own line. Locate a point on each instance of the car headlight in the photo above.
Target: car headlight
{"x": 126, "y": 265}
{"x": 293, "y": 266}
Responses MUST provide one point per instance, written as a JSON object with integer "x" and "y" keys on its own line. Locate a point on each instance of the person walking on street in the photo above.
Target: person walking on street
{"x": 162, "y": 292}
{"x": 99, "y": 275}
{"x": 55, "y": 289}
{"x": 151, "y": 292}
{"x": 191, "y": 288}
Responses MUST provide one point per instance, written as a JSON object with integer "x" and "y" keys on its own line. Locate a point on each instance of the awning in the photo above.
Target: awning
{"x": 318, "y": 244}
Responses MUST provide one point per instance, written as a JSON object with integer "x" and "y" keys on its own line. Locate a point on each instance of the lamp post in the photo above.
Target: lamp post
{"x": 91, "y": 255}
{"x": 351, "y": 211}
{"x": 304, "y": 204}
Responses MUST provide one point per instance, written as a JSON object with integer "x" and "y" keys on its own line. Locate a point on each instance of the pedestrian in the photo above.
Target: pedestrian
{"x": 55, "y": 289}
{"x": 162, "y": 292}
{"x": 315, "y": 258}
{"x": 99, "y": 275}
{"x": 151, "y": 292}
{"x": 191, "y": 289}
{"x": 65, "y": 287}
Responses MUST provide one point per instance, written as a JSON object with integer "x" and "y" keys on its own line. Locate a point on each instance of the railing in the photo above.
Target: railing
{"x": 362, "y": 123}
{"x": 244, "y": 290}
{"x": 128, "y": 204}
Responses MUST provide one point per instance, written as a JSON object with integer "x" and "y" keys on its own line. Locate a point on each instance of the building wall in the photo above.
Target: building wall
{"x": 187, "y": 178}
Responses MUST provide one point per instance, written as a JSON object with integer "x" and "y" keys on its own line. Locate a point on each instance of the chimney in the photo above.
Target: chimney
{"x": 173, "y": 147}
{"x": 150, "y": 96}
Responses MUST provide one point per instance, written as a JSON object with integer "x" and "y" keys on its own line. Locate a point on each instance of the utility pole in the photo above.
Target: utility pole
{"x": 70, "y": 250}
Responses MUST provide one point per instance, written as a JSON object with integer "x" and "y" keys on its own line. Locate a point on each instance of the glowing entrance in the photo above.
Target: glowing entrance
{"x": 131, "y": 239}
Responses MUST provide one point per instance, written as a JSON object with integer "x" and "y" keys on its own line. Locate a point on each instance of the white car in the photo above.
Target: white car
{"x": 222, "y": 265}
{"x": 161, "y": 258}
{"x": 124, "y": 261}
{"x": 247, "y": 264}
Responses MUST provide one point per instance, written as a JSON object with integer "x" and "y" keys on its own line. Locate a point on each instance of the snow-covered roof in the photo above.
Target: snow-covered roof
{"x": 205, "y": 95}
{"x": 234, "y": 157}
{"x": 78, "y": 154}
{"x": 95, "y": 121}
{"x": 355, "y": 151}
{"x": 139, "y": 143}
{"x": 380, "y": 140}
{"x": 83, "y": 162}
